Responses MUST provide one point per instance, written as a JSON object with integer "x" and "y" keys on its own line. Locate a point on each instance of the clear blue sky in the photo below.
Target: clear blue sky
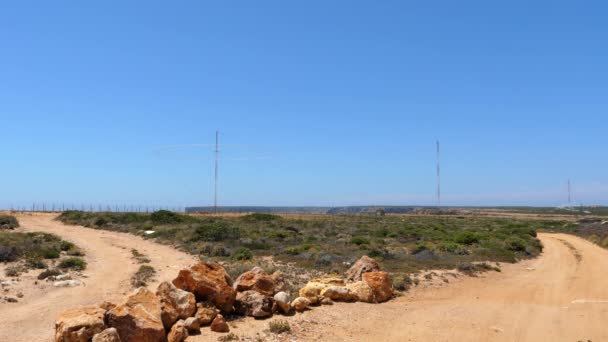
{"x": 318, "y": 102}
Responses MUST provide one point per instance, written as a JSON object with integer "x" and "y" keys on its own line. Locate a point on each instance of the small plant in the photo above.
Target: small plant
{"x": 279, "y": 326}
{"x": 359, "y": 240}
{"x": 242, "y": 253}
{"x": 139, "y": 257}
{"x": 50, "y": 253}
{"x": 143, "y": 275}
{"x": 75, "y": 263}
{"x": 35, "y": 263}
{"x": 8, "y": 222}
{"x": 13, "y": 271}
{"x": 228, "y": 337}
{"x": 165, "y": 217}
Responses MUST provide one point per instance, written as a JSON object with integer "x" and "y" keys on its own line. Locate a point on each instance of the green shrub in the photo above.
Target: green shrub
{"x": 260, "y": 217}
{"x": 242, "y": 253}
{"x": 74, "y": 263}
{"x": 66, "y": 245}
{"x": 466, "y": 238}
{"x": 359, "y": 240}
{"x": 216, "y": 231}
{"x": 35, "y": 262}
{"x": 165, "y": 217}
{"x": 8, "y": 222}
{"x": 50, "y": 253}
{"x": 516, "y": 244}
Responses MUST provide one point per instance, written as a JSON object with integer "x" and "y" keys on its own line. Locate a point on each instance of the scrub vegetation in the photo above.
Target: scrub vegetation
{"x": 331, "y": 243}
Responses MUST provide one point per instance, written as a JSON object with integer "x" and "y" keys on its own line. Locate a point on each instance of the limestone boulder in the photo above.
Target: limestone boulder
{"x": 219, "y": 324}
{"x": 283, "y": 302}
{"x": 205, "y": 312}
{"x": 312, "y": 290}
{"x": 254, "y": 304}
{"x": 208, "y": 281}
{"x": 174, "y": 303}
{"x": 79, "y": 324}
{"x": 138, "y": 318}
{"x": 361, "y": 292}
{"x": 279, "y": 281}
{"x": 256, "y": 280}
{"x": 178, "y": 332}
{"x": 300, "y": 304}
{"x": 381, "y": 285}
{"x": 337, "y": 293}
{"x": 363, "y": 265}
{"x": 108, "y": 335}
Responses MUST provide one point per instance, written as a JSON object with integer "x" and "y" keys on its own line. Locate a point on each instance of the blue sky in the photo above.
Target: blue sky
{"x": 318, "y": 102}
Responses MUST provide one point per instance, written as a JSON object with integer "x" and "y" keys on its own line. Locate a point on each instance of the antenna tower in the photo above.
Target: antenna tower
{"x": 217, "y": 151}
{"x": 438, "y": 178}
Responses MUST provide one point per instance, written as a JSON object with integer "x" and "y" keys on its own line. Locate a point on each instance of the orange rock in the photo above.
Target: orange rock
{"x": 80, "y": 324}
{"x": 138, "y": 318}
{"x": 205, "y": 312}
{"x": 256, "y": 280}
{"x": 208, "y": 281}
{"x": 380, "y": 283}
{"x": 363, "y": 265}
{"x": 219, "y": 324}
{"x": 178, "y": 332}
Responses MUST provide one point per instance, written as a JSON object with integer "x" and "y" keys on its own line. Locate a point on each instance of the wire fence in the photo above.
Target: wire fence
{"x": 101, "y": 208}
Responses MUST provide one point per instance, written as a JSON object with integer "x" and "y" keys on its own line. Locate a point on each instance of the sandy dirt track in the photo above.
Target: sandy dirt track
{"x": 560, "y": 296}
{"x": 110, "y": 268}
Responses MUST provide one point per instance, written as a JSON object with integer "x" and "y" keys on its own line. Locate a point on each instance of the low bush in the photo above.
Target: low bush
{"x": 74, "y": 263}
{"x": 8, "y": 222}
{"x": 242, "y": 253}
{"x": 35, "y": 263}
{"x": 359, "y": 240}
{"x": 260, "y": 217}
{"x": 13, "y": 271}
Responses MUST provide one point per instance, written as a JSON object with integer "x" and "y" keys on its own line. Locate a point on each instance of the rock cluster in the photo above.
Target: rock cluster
{"x": 199, "y": 295}
{"x": 364, "y": 283}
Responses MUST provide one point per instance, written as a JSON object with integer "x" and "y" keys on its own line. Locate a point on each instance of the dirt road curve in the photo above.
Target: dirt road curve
{"x": 109, "y": 268}
{"x": 560, "y": 296}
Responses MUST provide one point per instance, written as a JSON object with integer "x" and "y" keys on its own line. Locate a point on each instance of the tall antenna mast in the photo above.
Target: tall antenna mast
{"x": 216, "y": 161}
{"x": 438, "y": 178}
{"x": 569, "y": 197}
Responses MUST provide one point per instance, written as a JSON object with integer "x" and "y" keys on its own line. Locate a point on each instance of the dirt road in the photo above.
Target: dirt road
{"x": 110, "y": 268}
{"x": 560, "y": 296}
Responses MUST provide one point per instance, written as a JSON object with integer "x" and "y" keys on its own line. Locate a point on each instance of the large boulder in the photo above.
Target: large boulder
{"x": 219, "y": 324}
{"x": 138, "y": 318}
{"x": 282, "y": 301}
{"x": 300, "y": 304}
{"x": 312, "y": 290}
{"x": 256, "y": 280}
{"x": 208, "y": 281}
{"x": 363, "y": 265}
{"x": 178, "y": 332}
{"x": 361, "y": 292}
{"x": 279, "y": 281}
{"x": 108, "y": 335}
{"x": 174, "y": 303}
{"x": 79, "y": 324}
{"x": 381, "y": 285}
{"x": 205, "y": 312}
{"x": 338, "y": 293}
{"x": 254, "y": 304}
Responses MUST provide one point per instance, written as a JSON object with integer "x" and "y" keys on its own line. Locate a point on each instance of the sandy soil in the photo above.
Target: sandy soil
{"x": 110, "y": 267}
{"x": 560, "y": 296}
